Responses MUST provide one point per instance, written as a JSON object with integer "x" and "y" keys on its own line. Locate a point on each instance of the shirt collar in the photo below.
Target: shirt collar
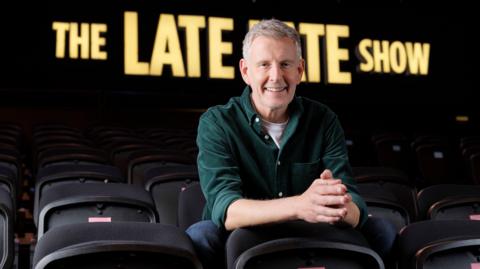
{"x": 247, "y": 105}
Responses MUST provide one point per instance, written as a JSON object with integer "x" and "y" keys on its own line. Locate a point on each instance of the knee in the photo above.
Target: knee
{"x": 381, "y": 234}
{"x": 205, "y": 233}
{"x": 380, "y": 226}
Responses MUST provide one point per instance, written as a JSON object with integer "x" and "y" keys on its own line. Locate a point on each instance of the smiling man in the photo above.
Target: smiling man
{"x": 269, "y": 156}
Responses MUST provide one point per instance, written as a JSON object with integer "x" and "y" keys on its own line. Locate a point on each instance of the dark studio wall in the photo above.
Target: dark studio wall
{"x": 37, "y": 86}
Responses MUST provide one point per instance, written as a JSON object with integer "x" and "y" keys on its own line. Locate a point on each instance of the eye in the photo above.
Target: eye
{"x": 286, "y": 65}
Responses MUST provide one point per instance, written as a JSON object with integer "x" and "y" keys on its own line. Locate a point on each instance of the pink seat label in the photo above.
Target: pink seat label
{"x": 475, "y": 265}
{"x": 99, "y": 219}
{"x": 475, "y": 217}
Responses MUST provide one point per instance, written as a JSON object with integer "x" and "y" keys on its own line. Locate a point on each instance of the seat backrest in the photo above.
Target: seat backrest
{"x": 10, "y": 160}
{"x": 389, "y": 193}
{"x": 8, "y": 182}
{"x": 449, "y": 201}
{"x": 7, "y": 247}
{"x": 393, "y": 151}
{"x": 85, "y": 155}
{"x": 475, "y": 167}
{"x": 299, "y": 245}
{"x": 191, "y": 202}
{"x": 85, "y": 203}
{"x": 446, "y": 244}
{"x": 365, "y": 174}
{"x": 141, "y": 161}
{"x": 165, "y": 184}
{"x": 50, "y": 176}
{"x": 435, "y": 163}
{"x": 395, "y": 202}
{"x": 115, "y": 245}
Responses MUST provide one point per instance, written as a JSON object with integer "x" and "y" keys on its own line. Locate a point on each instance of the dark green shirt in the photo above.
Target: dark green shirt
{"x": 238, "y": 160}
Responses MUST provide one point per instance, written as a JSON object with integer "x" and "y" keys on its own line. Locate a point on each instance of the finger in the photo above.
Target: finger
{"x": 327, "y": 182}
{"x": 331, "y": 212}
{"x": 326, "y": 219}
{"x": 331, "y": 200}
{"x": 322, "y": 189}
{"x": 326, "y": 174}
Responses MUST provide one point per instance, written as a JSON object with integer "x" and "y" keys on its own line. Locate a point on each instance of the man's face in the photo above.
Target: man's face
{"x": 273, "y": 71}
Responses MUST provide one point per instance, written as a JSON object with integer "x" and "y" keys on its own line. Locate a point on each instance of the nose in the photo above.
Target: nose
{"x": 275, "y": 72}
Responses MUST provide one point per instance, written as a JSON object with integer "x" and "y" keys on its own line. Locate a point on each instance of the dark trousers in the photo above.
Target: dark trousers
{"x": 209, "y": 240}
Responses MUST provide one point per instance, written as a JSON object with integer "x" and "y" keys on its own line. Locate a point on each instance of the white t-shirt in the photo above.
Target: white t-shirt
{"x": 275, "y": 130}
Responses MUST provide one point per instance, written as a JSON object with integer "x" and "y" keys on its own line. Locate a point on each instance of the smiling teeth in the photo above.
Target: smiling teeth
{"x": 275, "y": 89}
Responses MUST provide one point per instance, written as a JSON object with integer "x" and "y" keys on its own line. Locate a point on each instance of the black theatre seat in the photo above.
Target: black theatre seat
{"x": 165, "y": 184}
{"x": 115, "y": 245}
{"x": 446, "y": 244}
{"x": 50, "y": 176}
{"x": 299, "y": 245}
{"x": 84, "y": 203}
{"x": 7, "y": 249}
{"x": 449, "y": 201}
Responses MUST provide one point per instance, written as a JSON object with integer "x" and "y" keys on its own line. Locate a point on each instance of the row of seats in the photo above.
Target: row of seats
{"x": 389, "y": 193}
{"x": 109, "y": 145}
{"x": 11, "y": 168}
{"x": 428, "y": 158}
{"x": 152, "y": 187}
{"x": 283, "y": 246}
{"x": 61, "y": 189}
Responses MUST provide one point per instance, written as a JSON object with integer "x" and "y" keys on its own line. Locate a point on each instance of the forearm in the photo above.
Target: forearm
{"x": 353, "y": 214}
{"x": 245, "y": 212}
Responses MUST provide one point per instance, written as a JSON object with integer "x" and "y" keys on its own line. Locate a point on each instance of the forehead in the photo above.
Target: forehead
{"x": 269, "y": 46}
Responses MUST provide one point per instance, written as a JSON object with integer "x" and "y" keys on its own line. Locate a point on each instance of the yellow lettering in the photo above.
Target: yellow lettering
{"x": 335, "y": 54}
{"x": 398, "y": 57}
{"x": 418, "y": 55}
{"x": 132, "y": 65}
{"x": 312, "y": 32}
{"x": 61, "y": 29}
{"x": 81, "y": 40}
{"x": 192, "y": 25}
{"x": 166, "y": 49}
{"x": 381, "y": 56}
{"x": 363, "y": 52}
{"x": 98, "y": 41}
{"x": 217, "y": 48}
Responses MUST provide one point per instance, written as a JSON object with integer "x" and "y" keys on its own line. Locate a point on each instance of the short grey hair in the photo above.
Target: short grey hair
{"x": 271, "y": 28}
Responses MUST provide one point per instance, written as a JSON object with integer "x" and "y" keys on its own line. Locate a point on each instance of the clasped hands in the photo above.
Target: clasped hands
{"x": 326, "y": 200}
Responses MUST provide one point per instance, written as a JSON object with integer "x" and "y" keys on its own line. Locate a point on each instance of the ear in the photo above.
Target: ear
{"x": 300, "y": 69}
{"x": 243, "y": 71}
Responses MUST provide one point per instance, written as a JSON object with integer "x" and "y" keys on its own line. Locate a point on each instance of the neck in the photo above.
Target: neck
{"x": 275, "y": 116}
{"x": 278, "y": 115}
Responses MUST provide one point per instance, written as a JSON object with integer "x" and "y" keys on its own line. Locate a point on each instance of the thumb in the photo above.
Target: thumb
{"x": 326, "y": 174}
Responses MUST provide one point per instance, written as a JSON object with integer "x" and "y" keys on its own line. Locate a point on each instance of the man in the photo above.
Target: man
{"x": 269, "y": 156}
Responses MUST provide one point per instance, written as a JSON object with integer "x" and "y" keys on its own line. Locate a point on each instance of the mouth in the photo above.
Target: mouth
{"x": 275, "y": 89}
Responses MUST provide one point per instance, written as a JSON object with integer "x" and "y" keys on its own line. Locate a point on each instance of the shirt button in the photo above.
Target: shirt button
{"x": 280, "y": 194}
{"x": 266, "y": 137}
{"x": 279, "y": 163}
{"x": 257, "y": 119}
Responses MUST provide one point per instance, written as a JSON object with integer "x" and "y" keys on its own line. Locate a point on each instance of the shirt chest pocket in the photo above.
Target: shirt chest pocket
{"x": 303, "y": 174}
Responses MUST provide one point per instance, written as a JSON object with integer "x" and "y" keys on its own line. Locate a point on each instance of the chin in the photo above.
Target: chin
{"x": 278, "y": 105}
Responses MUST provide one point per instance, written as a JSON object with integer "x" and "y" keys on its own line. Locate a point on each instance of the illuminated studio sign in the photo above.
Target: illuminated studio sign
{"x": 322, "y": 50}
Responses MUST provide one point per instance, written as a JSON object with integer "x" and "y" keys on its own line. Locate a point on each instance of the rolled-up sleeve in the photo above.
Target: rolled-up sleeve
{"x": 336, "y": 159}
{"x": 218, "y": 170}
